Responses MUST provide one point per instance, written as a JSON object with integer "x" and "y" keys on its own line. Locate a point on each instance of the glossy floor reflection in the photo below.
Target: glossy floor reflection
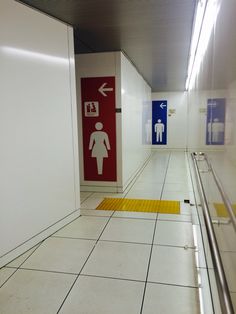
{"x": 114, "y": 262}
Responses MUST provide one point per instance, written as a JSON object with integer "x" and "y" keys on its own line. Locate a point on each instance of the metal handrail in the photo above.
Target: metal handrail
{"x": 225, "y": 198}
{"x": 223, "y": 289}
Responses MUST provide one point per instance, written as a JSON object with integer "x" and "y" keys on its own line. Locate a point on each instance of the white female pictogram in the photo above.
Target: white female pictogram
{"x": 99, "y": 144}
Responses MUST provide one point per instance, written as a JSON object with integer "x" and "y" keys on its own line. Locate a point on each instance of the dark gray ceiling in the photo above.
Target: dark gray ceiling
{"x": 154, "y": 34}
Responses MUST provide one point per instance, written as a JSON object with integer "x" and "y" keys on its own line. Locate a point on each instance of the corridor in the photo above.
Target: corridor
{"x": 114, "y": 262}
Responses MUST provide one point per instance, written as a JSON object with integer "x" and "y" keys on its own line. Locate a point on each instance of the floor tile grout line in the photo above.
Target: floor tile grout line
{"x": 63, "y": 302}
{"x": 16, "y": 269}
{"x": 128, "y": 242}
{"x": 154, "y": 231}
{"x": 174, "y": 221}
{"x": 103, "y": 240}
{"x": 19, "y": 267}
{"x": 95, "y": 215}
{"x": 53, "y": 235}
{"x": 175, "y": 246}
{"x": 113, "y": 278}
{"x": 184, "y": 221}
{"x": 149, "y": 263}
{"x": 44, "y": 270}
{"x": 86, "y": 198}
{"x": 105, "y": 277}
{"x": 163, "y": 186}
{"x": 39, "y": 244}
{"x": 63, "y": 227}
{"x": 147, "y": 219}
{"x": 150, "y": 244}
{"x": 137, "y": 218}
{"x": 95, "y": 244}
{"x": 141, "y": 281}
{"x": 110, "y": 219}
{"x": 74, "y": 238}
{"x": 115, "y": 211}
{"x": 172, "y": 284}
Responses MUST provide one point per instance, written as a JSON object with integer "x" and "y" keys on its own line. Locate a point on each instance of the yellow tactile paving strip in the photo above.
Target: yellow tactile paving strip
{"x": 221, "y": 211}
{"x": 140, "y": 205}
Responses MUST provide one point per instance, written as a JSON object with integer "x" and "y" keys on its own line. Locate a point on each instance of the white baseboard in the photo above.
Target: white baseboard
{"x": 25, "y": 246}
{"x": 94, "y": 188}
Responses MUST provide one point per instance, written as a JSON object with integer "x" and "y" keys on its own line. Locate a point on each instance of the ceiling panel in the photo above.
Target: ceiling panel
{"x": 154, "y": 34}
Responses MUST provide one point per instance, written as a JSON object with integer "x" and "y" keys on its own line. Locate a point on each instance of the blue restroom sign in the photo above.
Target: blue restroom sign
{"x": 159, "y": 122}
{"x": 215, "y": 128}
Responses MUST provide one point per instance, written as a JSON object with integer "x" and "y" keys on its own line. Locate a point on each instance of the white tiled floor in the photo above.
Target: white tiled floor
{"x": 129, "y": 230}
{"x": 119, "y": 260}
{"x": 60, "y": 255}
{"x": 172, "y": 265}
{"x": 185, "y": 299}
{"x": 84, "y": 227}
{"x": 105, "y": 296}
{"x": 34, "y": 292}
{"x": 174, "y": 233}
{"x": 109, "y": 262}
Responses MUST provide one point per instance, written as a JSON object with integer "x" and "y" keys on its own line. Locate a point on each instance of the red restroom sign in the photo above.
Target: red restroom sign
{"x": 99, "y": 128}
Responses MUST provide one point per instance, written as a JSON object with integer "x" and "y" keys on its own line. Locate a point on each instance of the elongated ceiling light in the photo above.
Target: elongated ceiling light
{"x": 205, "y": 19}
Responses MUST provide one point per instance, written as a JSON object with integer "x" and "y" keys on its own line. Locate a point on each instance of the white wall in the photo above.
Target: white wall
{"x": 176, "y": 122}
{"x": 38, "y": 127}
{"x": 136, "y": 107}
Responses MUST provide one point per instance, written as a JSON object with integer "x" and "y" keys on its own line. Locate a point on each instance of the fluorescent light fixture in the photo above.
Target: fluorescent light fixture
{"x": 195, "y": 36}
{"x": 34, "y": 55}
{"x": 205, "y": 19}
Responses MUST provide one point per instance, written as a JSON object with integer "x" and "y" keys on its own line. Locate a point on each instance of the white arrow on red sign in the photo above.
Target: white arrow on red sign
{"x": 162, "y": 105}
{"x": 102, "y": 89}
